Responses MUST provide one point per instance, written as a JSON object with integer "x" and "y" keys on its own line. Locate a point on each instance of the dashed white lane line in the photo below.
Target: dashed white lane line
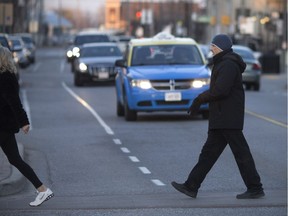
{"x": 134, "y": 159}
{"x": 87, "y": 106}
{"x": 108, "y": 130}
{"x": 157, "y": 182}
{"x": 117, "y": 141}
{"x": 125, "y": 150}
{"x": 144, "y": 170}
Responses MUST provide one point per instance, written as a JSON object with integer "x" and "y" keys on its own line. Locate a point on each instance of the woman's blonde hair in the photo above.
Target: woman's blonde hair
{"x": 6, "y": 61}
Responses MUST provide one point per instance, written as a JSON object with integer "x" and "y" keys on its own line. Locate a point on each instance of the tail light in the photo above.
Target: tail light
{"x": 256, "y": 66}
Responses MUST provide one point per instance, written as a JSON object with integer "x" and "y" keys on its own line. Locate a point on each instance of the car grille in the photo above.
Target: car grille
{"x": 95, "y": 70}
{"x": 171, "y": 84}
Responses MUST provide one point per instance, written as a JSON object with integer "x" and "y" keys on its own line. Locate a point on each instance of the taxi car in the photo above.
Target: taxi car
{"x": 163, "y": 73}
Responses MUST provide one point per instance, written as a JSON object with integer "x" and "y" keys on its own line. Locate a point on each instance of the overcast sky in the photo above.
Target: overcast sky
{"x": 84, "y": 5}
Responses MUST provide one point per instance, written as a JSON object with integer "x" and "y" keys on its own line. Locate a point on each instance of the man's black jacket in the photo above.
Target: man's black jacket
{"x": 12, "y": 114}
{"x": 226, "y": 96}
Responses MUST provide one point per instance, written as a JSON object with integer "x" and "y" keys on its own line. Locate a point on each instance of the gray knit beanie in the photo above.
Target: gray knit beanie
{"x": 222, "y": 41}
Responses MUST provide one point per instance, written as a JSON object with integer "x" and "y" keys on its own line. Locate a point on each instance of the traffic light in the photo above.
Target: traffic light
{"x": 138, "y": 15}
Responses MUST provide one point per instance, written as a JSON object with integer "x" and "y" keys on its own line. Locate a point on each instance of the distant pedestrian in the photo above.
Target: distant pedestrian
{"x": 12, "y": 118}
{"x": 226, "y": 100}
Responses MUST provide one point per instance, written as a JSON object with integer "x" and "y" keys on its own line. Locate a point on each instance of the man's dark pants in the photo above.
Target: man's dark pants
{"x": 216, "y": 142}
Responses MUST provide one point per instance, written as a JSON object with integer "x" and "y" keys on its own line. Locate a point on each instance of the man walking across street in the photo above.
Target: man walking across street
{"x": 226, "y": 100}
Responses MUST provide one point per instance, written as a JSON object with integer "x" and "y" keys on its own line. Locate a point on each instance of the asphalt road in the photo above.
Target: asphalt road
{"x": 98, "y": 164}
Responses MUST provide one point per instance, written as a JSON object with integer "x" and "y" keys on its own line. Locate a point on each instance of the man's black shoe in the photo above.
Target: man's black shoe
{"x": 184, "y": 189}
{"x": 251, "y": 195}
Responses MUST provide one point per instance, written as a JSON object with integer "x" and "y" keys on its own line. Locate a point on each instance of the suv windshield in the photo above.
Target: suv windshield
{"x": 101, "y": 51}
{"x": 82, "y": 39}
{"x": 166, "y": 55}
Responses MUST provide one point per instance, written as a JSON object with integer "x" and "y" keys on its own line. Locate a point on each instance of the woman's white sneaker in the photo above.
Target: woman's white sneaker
{"x": 41, "y": 197}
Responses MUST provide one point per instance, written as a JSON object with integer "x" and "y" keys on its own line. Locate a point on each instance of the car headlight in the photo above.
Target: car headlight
{"x": 69, "y": 53}
{"x": 83, "y": 67}
{"x": 75, "y": 51}
{"x": 143, "y": 84}
{"x": 199, "y": 83}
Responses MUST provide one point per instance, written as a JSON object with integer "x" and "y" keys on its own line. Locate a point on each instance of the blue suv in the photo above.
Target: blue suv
{"x": 163, "y": 73}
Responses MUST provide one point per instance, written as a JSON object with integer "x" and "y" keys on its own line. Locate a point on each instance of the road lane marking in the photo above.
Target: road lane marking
{"x": 134, "y": 159}
{"x": 125, "y": 150}
{"x": 62, "y": 67}
{"x": 27, "y": 107}
{"x": 267, "y": 119}
{"x": 87, "y": 106}
{"x": 157, "y": 182}
{"x": 117, "y": 141}
{"x": 36, "y": 66}
{"x": 144, "y": 170}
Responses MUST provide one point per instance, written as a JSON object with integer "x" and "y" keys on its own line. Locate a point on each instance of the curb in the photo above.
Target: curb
{"x": 16, "y": 181}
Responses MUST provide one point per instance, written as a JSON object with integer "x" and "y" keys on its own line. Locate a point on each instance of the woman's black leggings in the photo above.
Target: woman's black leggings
{"x": 9, "y": 146}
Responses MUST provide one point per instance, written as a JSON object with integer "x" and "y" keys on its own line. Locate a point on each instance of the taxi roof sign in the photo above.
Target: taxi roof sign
{"x": 164, "y": 36}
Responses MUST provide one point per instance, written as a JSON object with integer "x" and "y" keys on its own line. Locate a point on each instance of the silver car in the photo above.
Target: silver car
{"x": 252, "y": 74}
{"x": 29, "y": 44}
{"x": 19, "y": 51}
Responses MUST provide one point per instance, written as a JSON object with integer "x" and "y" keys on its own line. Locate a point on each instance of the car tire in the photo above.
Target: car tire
{"x": 248, "y": 86}
{"x": 120, "y": 109}
{"x": 77, "y": 80}
{"x": 130, "y": 115}
{"x": 256, "y": 86}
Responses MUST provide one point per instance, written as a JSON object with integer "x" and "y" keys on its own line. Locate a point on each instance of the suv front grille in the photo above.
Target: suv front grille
{"x": 171, "y": 84}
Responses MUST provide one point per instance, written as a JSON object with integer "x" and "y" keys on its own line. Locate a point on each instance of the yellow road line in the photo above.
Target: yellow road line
{"x": 267, "y": 119}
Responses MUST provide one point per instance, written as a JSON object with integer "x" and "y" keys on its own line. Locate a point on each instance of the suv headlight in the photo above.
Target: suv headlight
{"x": 143, "y": 84}
{"x": 83, "y": 67}
{"x": 199, "y": 83}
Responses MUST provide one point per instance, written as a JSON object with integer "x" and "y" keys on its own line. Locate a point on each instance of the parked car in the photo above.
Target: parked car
{"x": 96, "y": 63}
{"x": 163, "y": 73}
{"x": 252, "y": 74}
{"x": 4, "y": 41}
{"x": 19, "y": 51}
{"x": 29, "y": 44}
{"x": 83, "y": 38}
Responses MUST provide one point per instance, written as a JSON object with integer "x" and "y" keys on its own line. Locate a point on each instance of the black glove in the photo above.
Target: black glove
{"x": 194, "y": 108}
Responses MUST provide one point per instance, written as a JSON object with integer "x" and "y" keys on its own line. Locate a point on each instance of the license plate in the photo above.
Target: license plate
{"x": 103, "y": 75}
{"x": 173, "y": 96}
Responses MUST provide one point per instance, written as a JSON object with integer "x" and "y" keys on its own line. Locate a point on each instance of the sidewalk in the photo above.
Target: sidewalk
{"x": 11, "y": 180}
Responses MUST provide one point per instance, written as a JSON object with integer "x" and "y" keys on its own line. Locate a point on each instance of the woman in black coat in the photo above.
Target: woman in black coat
{"x": 226, "y": 118}
{"x": 12, "y": 118}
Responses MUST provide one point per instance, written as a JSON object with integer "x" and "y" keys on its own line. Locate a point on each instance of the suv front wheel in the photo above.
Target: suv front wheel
{"x": 130, "y": 115}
